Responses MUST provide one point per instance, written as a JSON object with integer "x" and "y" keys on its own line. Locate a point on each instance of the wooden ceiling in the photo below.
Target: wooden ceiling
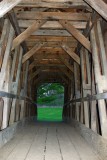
{"x": 52, "y": 33}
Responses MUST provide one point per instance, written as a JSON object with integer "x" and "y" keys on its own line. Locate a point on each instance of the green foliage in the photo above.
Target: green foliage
{"x": 50, "y": 94}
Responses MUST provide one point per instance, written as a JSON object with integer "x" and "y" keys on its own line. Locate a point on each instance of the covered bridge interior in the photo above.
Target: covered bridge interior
{"x": 53, "y": 41}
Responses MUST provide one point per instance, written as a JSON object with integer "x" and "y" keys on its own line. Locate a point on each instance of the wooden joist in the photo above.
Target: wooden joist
{"x": 52, "y": 50}
{"x": 66, "y": 73}
{"x": 35, "y": 74}
{"x": 51, "y": 32}
{"x": 72, "y": 54}
{"x": 30, "y": 53}
{"x": 51, "y": 44}
{"x": 53, "y": 4}
{"x": 39, "y": 59}
{"x": 64, "y": 79}
{"x": 51, "y": 39}
{"x": 77, "y": 34}
{"x": 52, "y": 56}
{"x": 32, "y": 15}
{"x": 36, "y": 64}
{"x": 23, "y": 36}
{"x": 67, "y": 64}
{"x": 52, "y": 24}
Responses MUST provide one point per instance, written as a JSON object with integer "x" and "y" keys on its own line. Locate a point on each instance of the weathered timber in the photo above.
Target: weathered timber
{"x": 78, "y": 35}
{"x": 7, "y": 5}
{"x": 32, "y": 52}
{"x": 19, "y": 39}
{"x": 73, "y": 55}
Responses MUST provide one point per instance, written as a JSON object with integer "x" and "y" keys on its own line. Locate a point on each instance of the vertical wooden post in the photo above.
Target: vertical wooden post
{"x": 15, "y": 89}
{"x": 85, "y": 85}
{"x": 100, "y": 79}
{"x": 5, "y": 70}
{"x": 24, "y": 92}
{"x": 77, "y": 90}
{"x": 1, "y": 111}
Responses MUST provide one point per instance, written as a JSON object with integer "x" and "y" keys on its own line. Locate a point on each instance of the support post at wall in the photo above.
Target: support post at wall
{"x": 7, "y": 37}
{"x": 15, "y": 88}
{"x": 24, "y": 92}
{"x": 77, "y": 90}
{"x": 98, "y": 50}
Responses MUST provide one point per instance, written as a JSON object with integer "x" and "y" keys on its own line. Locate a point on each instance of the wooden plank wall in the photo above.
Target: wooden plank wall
{"x": 93, "y": 80}
{"x": 13, "y": 79}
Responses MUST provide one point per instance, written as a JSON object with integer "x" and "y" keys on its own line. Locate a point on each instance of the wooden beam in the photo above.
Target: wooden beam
{"x": 91, "y": 22}
{"x": 50, "y": 61}
{"x": 51, "y": 32}
{"x": 52, "y": 50}
{"x": 4, "y": 39}
{"x": 32, "y": 15}
{"x": 36, "y": 64}
{"x": 66, "y": 63}
{"x": 51, "y": 44}
{"x": 77, "y": 34}
{"x": 56, "y": 79}
{"x": 64, "y": 79}
{"x": 65, "y": 56}
{"x": 52, "y": 24}
{"x": 23, "y": 36}
{"x": 49, "y": 70}
{"x": 66, "y": 73}
{"x": 7, "y": 5}
{"x": 30, "y": 53}
{"x": 33, "y": 64}
{"x": 14, "y": 22}
{"x": 100, "y": 6}
{"x": 6, "y": 55}
{"x": 51, "y": 39}
{"x": 34, "y": 74}
{"x": 72, "y": 54}
{"x": 53, "y": 4}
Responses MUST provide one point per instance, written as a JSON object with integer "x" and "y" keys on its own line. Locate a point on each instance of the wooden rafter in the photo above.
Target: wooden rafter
{"x": 66, "y": 73}
{"x": 72, "y": 54}
{"x": 64, "y": 79}
{"x": 100, "y": 6}
{"x": 33, "y": 64}
{"x": 35, "y": 74}
{"x": 66, "y": 63}
{"x": 77, "y": 34}
{"x": 30, "y": 53}
{"x": 7, "y": 5}
{"x": 23, "y": 36}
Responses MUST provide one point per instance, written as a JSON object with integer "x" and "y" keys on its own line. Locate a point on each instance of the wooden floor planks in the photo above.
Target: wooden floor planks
{"x": 47, "y": 141}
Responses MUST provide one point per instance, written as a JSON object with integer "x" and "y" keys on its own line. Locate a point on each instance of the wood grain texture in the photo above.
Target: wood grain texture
{"x": 78, "y": 35}
{"x": 23, "y": 36}
{"x": 30, "y": 53}
{"x": 49, "y": 141}
{"x": 53, "y": 15}
{"x": 7, "y": 5}
{"x": 100, "y": 6}
{"x": 73, "y": 55}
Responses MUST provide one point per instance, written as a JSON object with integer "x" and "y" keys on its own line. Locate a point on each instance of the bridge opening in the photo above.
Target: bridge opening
{"x": 50, "y": 101}
{"x": 53, "y": 67}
